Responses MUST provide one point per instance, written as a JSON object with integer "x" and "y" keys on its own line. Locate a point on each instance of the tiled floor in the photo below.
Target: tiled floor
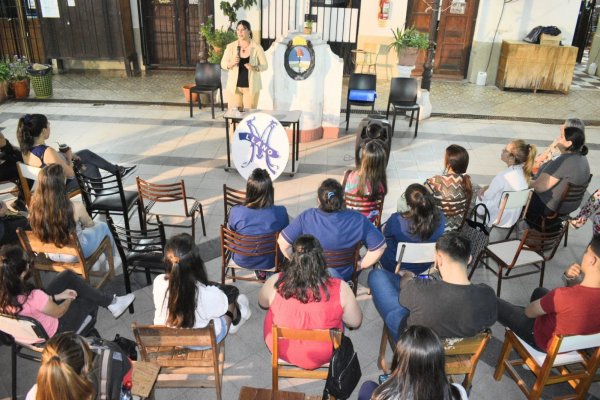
{"x": 167, "y": 145}
{"x": 581, "y": 78}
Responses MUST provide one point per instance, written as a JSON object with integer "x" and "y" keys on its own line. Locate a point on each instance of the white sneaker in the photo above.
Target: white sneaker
{"x": 245, "y": 312}
{"x": 120, "y": 304}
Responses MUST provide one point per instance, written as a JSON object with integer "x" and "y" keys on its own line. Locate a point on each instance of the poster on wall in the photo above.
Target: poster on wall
{"x": 49, "y": 9}
{"x": 260, "y": 141}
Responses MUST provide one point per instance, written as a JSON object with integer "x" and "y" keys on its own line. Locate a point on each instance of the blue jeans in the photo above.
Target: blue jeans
{"x": 343, "y": 273}
{"x": 90, "y": 238}
{"x": 385, "y": 288}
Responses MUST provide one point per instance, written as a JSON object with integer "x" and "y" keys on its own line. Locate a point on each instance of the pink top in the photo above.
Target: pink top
{"x": 291, "y": 313}
{"x": 32, "y": 307}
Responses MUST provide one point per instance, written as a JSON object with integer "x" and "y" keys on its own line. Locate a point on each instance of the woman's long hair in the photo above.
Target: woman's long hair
{"x": 51, "y": 212}
{"x": 524, "y": 154}
{"x": 66, "y": 360}
{"x": 29, "y": 128}
{"x": 457, "y": 158}
{"x": 306, "y": 274}
{"x": 331, "y": 196}
{"x": 259, "y": 190}
{"x": 418, "y": 369}
{"x": 423, "y": 212}
{"x": 372, "y": 170}
{"x": 13, "y": 263}
{"x": 184, "y": 269}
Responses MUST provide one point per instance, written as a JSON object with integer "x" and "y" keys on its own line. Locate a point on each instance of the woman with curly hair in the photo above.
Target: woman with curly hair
{"x": 63, "y": 305}
{"x": 421, "y": 222}
{"x": 305, "y": 296}
{"x": 184, "y": 298}
{"x": 418, "y": 371}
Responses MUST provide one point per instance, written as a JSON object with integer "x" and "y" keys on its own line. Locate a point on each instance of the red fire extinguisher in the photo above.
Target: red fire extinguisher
{"x": 384, "y": 9}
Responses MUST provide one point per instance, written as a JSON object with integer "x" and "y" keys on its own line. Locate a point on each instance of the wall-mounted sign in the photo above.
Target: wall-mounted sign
{"x": 299, "y": 58}
{"x": 260, "y": 141}
{"x": 457, "y": 7}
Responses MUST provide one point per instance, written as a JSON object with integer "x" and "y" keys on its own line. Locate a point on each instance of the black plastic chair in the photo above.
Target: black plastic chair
{"x": 139, "y": 250}
{"x": 106, "y": 195}
{"x": 403, "y": 97}
{"x": 360, "y": 82}
{"x": 208, "y": 80}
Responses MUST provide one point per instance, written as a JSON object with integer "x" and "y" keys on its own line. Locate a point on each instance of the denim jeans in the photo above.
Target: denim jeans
{"x": 90, "y": 238}
{"x": 385, "y": 289}
{"x": 343, "y": 273}
{"x": 514, "y": 318}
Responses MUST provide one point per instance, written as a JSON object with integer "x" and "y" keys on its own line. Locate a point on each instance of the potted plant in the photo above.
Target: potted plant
{"x": 19, "y": 80}
{"x": 308, "y": 26}
{"x": 407, "y": 44}
{"x": 4, "y": 79}
{"x": 217, "y": 39}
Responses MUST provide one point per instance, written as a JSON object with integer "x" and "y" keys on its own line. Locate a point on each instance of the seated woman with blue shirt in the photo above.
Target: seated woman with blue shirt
{"x": 336, "y": 229}
{"x": 258, "y": 216}
{"x": 420, "y": 221}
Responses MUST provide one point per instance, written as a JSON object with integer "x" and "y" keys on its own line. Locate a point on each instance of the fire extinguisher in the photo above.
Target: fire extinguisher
{"x": 384, "y": 9}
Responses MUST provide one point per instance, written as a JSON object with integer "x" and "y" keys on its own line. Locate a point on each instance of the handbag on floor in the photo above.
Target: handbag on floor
{"x": 477, "y": 232}
{"x": 344, "y": 368}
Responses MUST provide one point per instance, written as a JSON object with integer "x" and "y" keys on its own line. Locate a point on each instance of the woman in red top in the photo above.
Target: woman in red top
{"x": 304, "y": 296}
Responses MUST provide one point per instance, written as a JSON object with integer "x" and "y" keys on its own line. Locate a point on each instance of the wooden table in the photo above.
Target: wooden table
{"x": 250, "y": 393}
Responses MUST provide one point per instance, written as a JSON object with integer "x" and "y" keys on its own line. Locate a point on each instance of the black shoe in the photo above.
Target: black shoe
{"x": 17, "y": 205}
{"x": 125, "y": 171}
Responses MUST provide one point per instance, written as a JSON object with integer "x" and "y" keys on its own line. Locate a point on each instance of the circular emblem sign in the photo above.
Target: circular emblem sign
{"x": 299, "y": 58}
{"x": 260, "y": 142}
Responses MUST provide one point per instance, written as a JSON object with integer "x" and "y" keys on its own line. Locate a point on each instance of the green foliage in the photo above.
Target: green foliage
{"x": 18, "y": 68}
{"x": 217, "y": 39}
{"x": 409, "y": 37}
{"x": 230, "y": 9}
{"x": 5, "y": 73}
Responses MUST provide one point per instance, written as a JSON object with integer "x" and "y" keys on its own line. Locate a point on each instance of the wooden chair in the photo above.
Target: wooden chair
{"x": 461, "y": 354}
{"x": 344, "y": 257}
{"x": 285, "y": 370}
{"x": 38, "y": 255}
{"x": 565, "y": 355}
{"x": 534, "y": 248}
{"x": 454, "y": 209}
{"x": 180, "y": 365}
{"x": 139, "y": 250}
{"x": 169, "y": 200}
{"x": 231, "y": 198}
{"x": 105, "y": 195}
{"x": 248, "y": 246}
{"x": 28, "y": 173}
{"x": 252, "y": 393}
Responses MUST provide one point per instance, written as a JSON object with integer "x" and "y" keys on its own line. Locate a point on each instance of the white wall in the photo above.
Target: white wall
{"x": 519, "y": 17}
{"x": 252, "y": 15}
{"x": 371, "y": 26}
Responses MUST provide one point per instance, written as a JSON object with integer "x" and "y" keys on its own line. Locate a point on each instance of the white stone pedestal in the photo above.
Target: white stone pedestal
{"x": 318, "y": 96}
{"x": 405, "y": 71}
{"x": 425, "y": 103}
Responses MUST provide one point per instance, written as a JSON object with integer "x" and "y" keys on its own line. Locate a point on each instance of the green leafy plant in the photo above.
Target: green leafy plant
{"x": 217, "y": 39}
{"x": 18, "y": 68}
{"x": 407, "y": 38}
{"x": 5, "y": 73}
{"x": 230, "y": 9}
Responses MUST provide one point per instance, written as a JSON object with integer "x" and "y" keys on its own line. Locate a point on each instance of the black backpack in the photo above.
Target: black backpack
{"x": 108, "y": 368}
{"x": 344, "y": 370}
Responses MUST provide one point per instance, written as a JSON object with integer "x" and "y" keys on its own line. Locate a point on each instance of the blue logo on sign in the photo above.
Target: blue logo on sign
{"x": 260, "y": 142}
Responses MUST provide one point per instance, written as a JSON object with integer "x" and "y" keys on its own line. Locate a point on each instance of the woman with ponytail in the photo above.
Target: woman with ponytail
{"x": 454, "y": 184}
{"x": 63, "y": 375}
{"x": 184, "y": 297}
{"x": 32, "y": 132}
{"x": 336, "y": 228}
{"x": 421, "y": 222}
{"x": 550, "y": 183}
{"x": 519, "y": 157}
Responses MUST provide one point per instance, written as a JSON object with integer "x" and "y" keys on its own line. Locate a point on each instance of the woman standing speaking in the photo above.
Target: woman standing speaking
{"x": 244, "y": 59}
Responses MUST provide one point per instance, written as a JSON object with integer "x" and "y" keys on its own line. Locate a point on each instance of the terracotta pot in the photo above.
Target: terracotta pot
{"x": 408, "y": 56}
{"x": 307, "y": 30}
{"x": 186, "y": 93}
{"x": 21, "y": 88}
{"x": 3, "y": 91}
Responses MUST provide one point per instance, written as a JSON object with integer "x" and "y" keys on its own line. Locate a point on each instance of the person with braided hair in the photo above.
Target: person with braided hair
{"x": 421, "y": 221}
{"x": 32, "y": 132}
{"x": 519, "y": 157}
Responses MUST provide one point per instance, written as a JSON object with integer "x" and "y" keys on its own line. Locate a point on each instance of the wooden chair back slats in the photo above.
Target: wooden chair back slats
{"x": 166, "y": 192}
{"x": 231, "y": 198}
{"x": 341, "y": 258}
{"x": 364, "y": 205}
{"x": 246, "y": 245}
{"x": 543, "y": 243}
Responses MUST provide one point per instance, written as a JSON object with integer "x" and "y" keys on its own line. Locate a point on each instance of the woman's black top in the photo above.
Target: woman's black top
{"x": 243, "y": 73}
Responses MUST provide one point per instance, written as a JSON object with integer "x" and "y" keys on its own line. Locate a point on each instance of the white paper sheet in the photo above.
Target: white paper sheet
{"x": 49, "y": 9}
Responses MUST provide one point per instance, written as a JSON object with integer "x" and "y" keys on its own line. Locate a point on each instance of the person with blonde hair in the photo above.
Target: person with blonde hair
{"x": 519, "y": 157}
{"x": 63, "y": 375}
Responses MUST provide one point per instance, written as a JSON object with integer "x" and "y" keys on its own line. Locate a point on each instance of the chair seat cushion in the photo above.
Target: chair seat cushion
{"x": 362, "y": 95}
{"x": 204, "y": 88}
{"x": 113, "y": 201}
{"x": 405, "y": 105}
{"x": 571, "y": 357}
{"x": 172, "y": 208}
{"x": 146, "y": 260}
{"x": 505, "y": 251}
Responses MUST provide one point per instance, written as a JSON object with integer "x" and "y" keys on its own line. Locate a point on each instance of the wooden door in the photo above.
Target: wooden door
{"x": 455, "y": 36}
